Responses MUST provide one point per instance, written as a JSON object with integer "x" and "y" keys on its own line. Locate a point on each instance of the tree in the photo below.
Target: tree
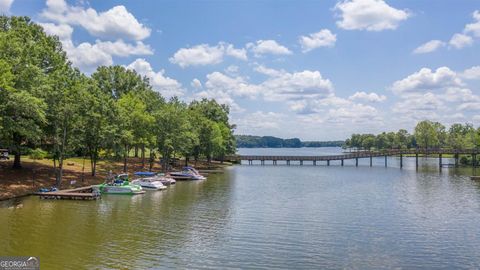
{"x": 31, "y": 57}
{"x": 98, "y": 123}
{"x": 426, "y": 134}
{"x": 64, "y": 127}
{"x": 118, "y": 80}
{"x": 402, "y": 139}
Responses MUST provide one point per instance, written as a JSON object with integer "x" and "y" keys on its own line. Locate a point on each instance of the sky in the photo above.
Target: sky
{"x": 315, "y": 70}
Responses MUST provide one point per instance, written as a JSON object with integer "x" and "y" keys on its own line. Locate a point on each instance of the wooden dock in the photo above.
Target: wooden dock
{"x": 401, "y": 153}
{"x": 82, "y": 193}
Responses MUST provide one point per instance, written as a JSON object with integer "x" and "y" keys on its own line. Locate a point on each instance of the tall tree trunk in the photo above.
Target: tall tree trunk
{"x": 125, "y": 156}
{"x": 143, "y": 156}
{"x": 151, "y": 160}
{"x": 16, "y": 161}
{"x": 17, "y": 153}
{"x": 136, "y": 151}
{"x": 61, "y": 156}
{"x": 186, "y": 161}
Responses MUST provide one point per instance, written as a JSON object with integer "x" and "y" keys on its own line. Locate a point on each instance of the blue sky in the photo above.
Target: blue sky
{"x": 317, "y": 70}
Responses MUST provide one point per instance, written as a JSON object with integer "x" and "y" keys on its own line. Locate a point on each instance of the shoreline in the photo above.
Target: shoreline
{"x": 24, "y": 182}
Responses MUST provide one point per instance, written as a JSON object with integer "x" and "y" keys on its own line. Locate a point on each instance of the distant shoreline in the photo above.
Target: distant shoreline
{"x": 250, "y": 141}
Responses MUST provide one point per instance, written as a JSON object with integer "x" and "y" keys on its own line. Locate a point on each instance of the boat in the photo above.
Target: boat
{"x": 166, "y": 181}
{"x": 475, "y": 177}
{"x": 187, "y": 173}
{"x": 150, "y": 182}
{"x": 120, "y": 185}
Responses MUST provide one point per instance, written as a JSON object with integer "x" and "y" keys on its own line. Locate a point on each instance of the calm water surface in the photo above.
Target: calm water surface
{"x": 259, "y": 217}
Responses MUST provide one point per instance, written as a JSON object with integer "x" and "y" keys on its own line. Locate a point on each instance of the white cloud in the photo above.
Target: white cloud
{"x": 120, "y": 48}
{"x": 237, "y": 53}
{"x": 472, "y": 73}
{"x": 426, "y": 80}
{"x": 298, "y": 85}
{"x": 456, "y": 94}
{"x": 262, "y": 47}
{"x": 354, "y": 113}
{"x": 419, "y": 106}
{"x": 196, "y": 83}
{"x": 459, "y": 41}
{"x": 166, "y": 86}
{"x": 474, "y": 28}
{"x": 259, "y": 122}
{"x": 232, "y": 70}
{"x": 237, "y": 86}
{"x": 88, "y": 56}
{"x": 469, "y": 106}
{"x": 370, "y": 15}
{"x": 430, "y": 46}
{"x": 204, "y": 54}
{"x": 323, "y": 38}
{"x": 5, "y": 5}
{"x": 221, "y": 97}
{"x": 269, "y": 71}
{"x": 115, "y": 23}
{"x": 63, "y": 31}
{"x": 370, "y": 97}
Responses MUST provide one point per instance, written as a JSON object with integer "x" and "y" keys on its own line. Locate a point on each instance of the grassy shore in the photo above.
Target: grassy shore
{"x": 39, "y": 173}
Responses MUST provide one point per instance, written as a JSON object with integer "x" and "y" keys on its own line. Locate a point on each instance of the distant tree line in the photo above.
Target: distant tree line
{"x": 249, "y": 141}
{"x": 427, "y": 134}
{"x": 47, "y": 104}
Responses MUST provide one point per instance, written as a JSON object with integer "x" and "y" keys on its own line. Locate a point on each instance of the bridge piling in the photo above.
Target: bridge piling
{"x": 314, "y": 163}
{"x": 371, "y": 161}
{"x": 474, "y": 160}
{"x": 401, "y": 161}
{"x": 356, "y": 162}
{"x": 301, "y": 162}
{"x": 440, "y": 160}
{"x": 328, "y": 162}
{"x": 385, "y": 161}
{"x": 416, "y": 160}
{"x": 342, "y": 163}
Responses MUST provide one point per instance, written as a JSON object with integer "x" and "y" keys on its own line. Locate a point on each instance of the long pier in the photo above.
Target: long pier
{"x": 401, "y": 153}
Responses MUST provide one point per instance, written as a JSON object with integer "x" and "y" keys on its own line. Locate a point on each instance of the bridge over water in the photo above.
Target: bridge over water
{"x": 401, "y": 153}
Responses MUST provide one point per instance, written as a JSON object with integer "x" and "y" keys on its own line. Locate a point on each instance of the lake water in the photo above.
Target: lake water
{"x": 263, "y": 217}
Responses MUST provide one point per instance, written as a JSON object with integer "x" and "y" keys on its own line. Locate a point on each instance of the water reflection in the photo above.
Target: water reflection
{"x": 264, "y": 217}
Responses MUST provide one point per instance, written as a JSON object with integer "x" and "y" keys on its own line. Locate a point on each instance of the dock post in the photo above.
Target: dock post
{"x": 440, "y": 160}
{"x": 314, "y": 163}
{"x": 288, "y": 162}
{"x": 301, "y": 162}
{"x": 401, "y": 161}
{"x": 262, "y": 162}
{"x": 385, "y": 161}
{"x": 416, "y": 160}
{"x": 342, "y": 162}
{"x": 356, "y": 162}
{"x": 370, "y": 161}
{"x": 474, "y": 160}
{"x": 456, "y": 160}
{"x": 274, "y": 162}
{"x": 328, "y": 162}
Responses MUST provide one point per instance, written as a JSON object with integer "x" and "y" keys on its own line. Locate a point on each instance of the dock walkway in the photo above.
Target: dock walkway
{"x": 359, "y": 154}
{"x": 82, "y": 193}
